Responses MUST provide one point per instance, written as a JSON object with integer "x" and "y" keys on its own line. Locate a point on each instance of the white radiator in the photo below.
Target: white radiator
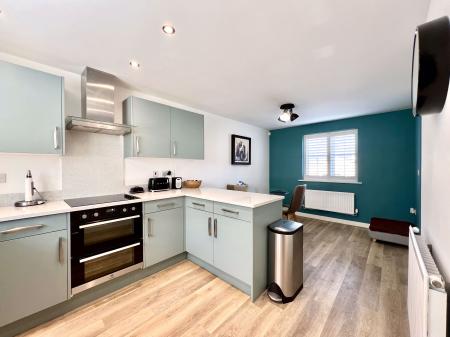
{"x": 339, "y": 202}
{"x": 427, "y": 299}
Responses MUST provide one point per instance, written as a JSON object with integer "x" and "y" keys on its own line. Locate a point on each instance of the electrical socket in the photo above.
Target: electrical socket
{"x": 2, "y": 178}
{"x": 166, "y": 172}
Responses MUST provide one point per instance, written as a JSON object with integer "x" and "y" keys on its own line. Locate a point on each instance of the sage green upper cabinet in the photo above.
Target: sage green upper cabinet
{"x": 162, "y": 131}
{"x": 31, "y": 110}
{"x": 187, "y": 134}
{"x": 151, "y": 128}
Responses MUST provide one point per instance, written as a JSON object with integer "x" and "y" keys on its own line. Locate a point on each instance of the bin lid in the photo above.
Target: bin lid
{"x": 286, "y": 227}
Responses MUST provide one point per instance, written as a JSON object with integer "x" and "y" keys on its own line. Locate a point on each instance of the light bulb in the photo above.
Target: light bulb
{"x": 285, "y": 116}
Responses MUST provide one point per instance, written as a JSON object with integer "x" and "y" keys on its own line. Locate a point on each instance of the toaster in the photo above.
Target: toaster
{"x": 158, "y": 184}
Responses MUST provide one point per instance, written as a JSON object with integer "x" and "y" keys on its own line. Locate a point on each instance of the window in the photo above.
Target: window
{"x": 331, "y": 156}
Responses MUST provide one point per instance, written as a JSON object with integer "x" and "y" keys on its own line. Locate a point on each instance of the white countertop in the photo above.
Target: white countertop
{"x": 245, "y": 199}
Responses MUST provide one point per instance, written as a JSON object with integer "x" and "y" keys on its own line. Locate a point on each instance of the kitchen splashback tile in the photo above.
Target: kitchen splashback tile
{"x": 93, "y": 165}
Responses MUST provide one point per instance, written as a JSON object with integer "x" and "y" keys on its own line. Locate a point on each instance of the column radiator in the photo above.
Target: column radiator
{"x": 427, "y": 299}
{"x": 339, "y": 202}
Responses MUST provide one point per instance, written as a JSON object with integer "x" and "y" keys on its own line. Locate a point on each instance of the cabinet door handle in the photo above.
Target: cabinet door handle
{"x": 56, "y": 138}
{"x": 137, "y": 145}
{"x": 230, "y": 211}
{"x": 166, "y": 205}
{"x": 209, "y": 226}
{"x": 61, "y": 250}
{"x": 21, "y": 229}
{"x": 149, "y": 227}
{"x": 215, "y": 228}
{"x": 174, "y": 148}
{"x": 198, "y": 204}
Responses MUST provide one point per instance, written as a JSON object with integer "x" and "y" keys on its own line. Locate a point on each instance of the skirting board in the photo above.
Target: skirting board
{"x": 328, "y": 218}
{"x": 222, "y": 275}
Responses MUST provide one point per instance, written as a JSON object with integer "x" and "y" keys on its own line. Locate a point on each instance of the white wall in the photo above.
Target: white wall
{"x": 436, "y": 170}
{"x": 94, "y": 163}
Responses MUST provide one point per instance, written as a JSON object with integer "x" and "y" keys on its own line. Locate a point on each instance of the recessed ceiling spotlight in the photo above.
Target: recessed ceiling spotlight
{"x": 287, "y": 115}
{"x": 168, "y": 29}
{"x": 134, "y": 64}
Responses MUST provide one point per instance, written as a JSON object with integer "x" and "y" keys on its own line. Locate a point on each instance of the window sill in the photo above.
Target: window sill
{"x": 331, "y": 181}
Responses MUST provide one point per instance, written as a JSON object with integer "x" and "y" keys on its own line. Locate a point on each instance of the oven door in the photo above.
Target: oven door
{"x": 102, "y": 236}
{"x": 91, "y": 270}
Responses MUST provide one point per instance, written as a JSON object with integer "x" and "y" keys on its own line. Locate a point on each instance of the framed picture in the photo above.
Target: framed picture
{"x": 241, "y": 150}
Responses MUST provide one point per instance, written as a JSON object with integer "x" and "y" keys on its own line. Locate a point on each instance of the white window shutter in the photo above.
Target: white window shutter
{"x": 343, "y": 155}
{"x": 316, "y": 155}
{"x": 331, "y": 156}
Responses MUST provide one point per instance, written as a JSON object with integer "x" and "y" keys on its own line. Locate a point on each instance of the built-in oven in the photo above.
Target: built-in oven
{"x": 105, "y": 243}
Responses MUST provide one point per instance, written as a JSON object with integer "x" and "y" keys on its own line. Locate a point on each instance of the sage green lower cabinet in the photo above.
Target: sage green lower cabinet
{"x": 233, "y": 247}
{"x": 164, "y": 235}
{"x": 199, "y": 238}
{"x": 224, "y": 242}
{"x": 33, "y": 274}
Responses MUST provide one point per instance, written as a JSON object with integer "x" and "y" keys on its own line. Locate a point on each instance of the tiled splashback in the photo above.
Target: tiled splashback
{"x": 92, "y": 165}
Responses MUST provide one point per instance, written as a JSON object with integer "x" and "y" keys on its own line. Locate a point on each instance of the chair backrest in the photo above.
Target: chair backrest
{"x": 298, "y": 198}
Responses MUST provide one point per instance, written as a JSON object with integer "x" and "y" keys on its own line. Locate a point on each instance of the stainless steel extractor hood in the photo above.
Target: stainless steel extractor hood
{"x": 97, "y": 105}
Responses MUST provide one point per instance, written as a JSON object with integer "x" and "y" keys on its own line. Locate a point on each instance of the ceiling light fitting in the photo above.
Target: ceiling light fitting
{"x": 168, "y": 29}
{"x": 134, "y": 64}
{"x": 287, "y": 115}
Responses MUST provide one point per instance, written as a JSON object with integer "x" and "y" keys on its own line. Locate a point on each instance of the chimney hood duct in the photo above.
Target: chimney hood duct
{"x": 97, "y": 105}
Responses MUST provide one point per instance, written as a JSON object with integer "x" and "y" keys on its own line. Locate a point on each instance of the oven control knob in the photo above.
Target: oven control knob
{"x": 124, "y": 210}
{"x": 133, "y": 208}
{"x": 96, "y": 214}
{"x": 84, "y": 216}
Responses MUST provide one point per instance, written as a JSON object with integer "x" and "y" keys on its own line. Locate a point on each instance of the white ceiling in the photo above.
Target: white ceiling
{"x": 240, "y": 59}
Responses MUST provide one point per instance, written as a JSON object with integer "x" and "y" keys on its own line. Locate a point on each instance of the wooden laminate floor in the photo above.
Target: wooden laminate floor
{"x": 352, "y": 287}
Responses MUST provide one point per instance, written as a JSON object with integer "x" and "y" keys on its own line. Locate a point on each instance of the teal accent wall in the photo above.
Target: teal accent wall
{"x": 388, "y": 160}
